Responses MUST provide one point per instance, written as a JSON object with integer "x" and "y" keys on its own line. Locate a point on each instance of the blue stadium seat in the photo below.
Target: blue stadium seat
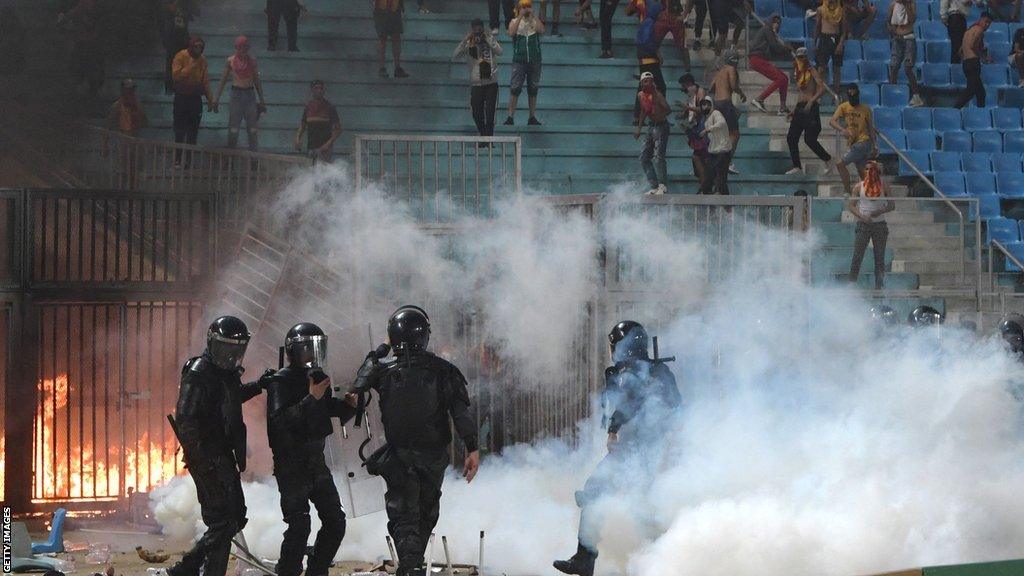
{"x": 792, "y": 29}
{"x": 791, "y": 9}
{"x": 898, "y": 137}
{"x": 927, "y": 30}
{"x": 1012, "y": 97}
{"x": 1002, "y": 229}
{"x": 1006, "y": 162}
{"x": 988, "y": 206}
{"x": 999, "y": 51}
{"x": 876, "y": 72}
{"x": 1017, "y": 249}
{"x": 922, "y": 140}
{"x": 917, "y": 118}
{"x": 946, "y": 119}
{"x": 976, "y": 161}
{"x": 876, "y": 50}
{"x": 765, "y": 8}
{"x": 895, "y": 96}
{"x": 938, "y": 52}
{"x": 1010, "y": 184}
{"x": 980, "y": 183}
{"x": 951, "y": 183}
{"x": 976, "y": 118}
{"x": 1006, "y": 119}
{"x": 878, "y": 30}
{"x": 923, "y": 10}
{"x": 854, "y": 51}
{"x": 997, "y": 32}
{"x": 886, "y": 118}
{"x": 868, "y": 92}
{"x": 956, "y": 76}
{"x": 919, "y": 158}
{"x": 1020, "y": 223}
{"x": 850, "y": 75}
{"x": 957, "y": 141}
{"x": 945, "y": 161}
{"x": 988, "y": 141}
{"x": 1013, "y": 141}
{"x": 935, "y": 75}
{"x": 994, "y": 76}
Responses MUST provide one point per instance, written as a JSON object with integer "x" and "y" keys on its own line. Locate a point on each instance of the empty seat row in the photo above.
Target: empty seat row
{"x": 1004, "y": 230}
{"x": 952, "y": 183}
{"x": 932, "y": 30}
{"x": 947, "y": 119}
{"x": 945, "y": 76}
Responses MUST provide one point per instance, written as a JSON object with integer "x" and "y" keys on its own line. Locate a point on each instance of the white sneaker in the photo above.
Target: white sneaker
{"x": 810, "y": 14}
{"x": 652, "y": 191}
{"x": 828, "y": 168}
{"x": 758, "y": 104}
{"x": 661, "y": 189}
{"x": 494, "y": 31}
{"x": 784, "y": 111}
{"x": 916, "y": 101}
{"x": 794, "y": 170}
{"x": 732, "y": 169}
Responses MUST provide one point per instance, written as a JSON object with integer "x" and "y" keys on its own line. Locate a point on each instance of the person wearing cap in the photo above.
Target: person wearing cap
{"x": 653, "y": 107}
{"x": 246, "y": 94}
{"x": 387, "y": 19}
{"x": 716, "y": 167}
{"x": 191, "y": 83}
{"x": 479, "y": 48}
{"x": 321, "y": 124}
{"x": 525, "y": 30}
{"x": 765, "y": 47}
{"x": 723, "y": 86}
{"x": 806, "y": 117}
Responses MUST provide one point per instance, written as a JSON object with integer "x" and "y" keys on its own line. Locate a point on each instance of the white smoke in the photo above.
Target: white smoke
{"x": 809, "y": 443}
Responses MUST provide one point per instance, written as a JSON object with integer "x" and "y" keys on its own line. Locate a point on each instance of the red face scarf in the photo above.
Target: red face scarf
{"x": 243, "y": 65}
{"x": 872, "y": 181}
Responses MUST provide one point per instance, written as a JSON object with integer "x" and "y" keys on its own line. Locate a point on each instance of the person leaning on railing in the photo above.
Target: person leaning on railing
{"x": 869, "y": 206}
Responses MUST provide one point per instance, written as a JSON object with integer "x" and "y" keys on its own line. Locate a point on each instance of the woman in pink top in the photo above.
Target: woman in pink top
{"x": 246, "y": 94}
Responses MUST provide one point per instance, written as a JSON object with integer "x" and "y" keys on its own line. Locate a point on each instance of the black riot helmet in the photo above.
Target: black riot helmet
{"x": 884, "y": 315}
{"x": 306, "y": 345}
{"x": 226, "y": 341}
{"x": 925, "y": 316}
{"x": 409, "y": 328}
{"x": 628, "y": 339}
{"x": 1011, "y": 328}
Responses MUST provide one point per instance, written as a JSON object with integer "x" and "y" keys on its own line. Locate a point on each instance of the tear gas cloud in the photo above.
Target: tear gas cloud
{"x": 810, "y": 443}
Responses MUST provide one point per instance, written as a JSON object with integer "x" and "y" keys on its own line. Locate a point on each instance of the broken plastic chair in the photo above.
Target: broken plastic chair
{"x": 55, "y": 543}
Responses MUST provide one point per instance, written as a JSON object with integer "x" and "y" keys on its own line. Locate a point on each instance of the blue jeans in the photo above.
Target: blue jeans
{"x": 653, "y": 156}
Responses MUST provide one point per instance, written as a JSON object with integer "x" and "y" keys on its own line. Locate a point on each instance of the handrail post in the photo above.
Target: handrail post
{"x": 358, "y": 164}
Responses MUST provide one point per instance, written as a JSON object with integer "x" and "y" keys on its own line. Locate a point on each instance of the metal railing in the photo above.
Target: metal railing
{"x": 1002, "y": 296}
{"x": 441, "y": 177}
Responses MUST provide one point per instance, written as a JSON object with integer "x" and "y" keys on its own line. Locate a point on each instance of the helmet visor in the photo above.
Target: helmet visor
{"x": 227, "y": 353}
{"x": 309, "y": 351}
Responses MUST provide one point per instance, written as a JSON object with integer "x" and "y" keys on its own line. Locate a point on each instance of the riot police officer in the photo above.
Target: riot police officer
{"x": 925, "y": 315}
{"x": 884, "y": 316}
{"x": 1011, "y": 328}
{"x": 642, "y": 399}
{"x": 209, "y": 426}
{"x": 419, "y": 393}
{"x": 300, "y": 406}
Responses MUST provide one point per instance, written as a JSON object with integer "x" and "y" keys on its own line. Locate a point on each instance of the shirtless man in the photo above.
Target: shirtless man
{"x": 831, "y": 29}
{"x": 654, "y": 107}
{"x": 806, "y": 117}
{"x": 973, "y": 52}
{"x": 861, "y": 14}
{"x": 903, "y": 45}
{"x": 725, "y": 83}
{"x": 246, "y": 94}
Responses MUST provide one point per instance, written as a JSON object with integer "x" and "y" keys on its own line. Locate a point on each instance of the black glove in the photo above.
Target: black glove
{"x": 368, "y": 368}
{"x": 264, "y": 381}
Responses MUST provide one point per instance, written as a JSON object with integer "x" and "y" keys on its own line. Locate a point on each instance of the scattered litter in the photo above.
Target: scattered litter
{"x": 152, "y": 557}
{"x": 98, "y": 554}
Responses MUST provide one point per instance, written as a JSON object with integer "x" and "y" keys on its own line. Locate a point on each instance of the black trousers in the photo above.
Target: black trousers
{"x": 413, "y": 502}
{"x": 975, "y": 87}
{"x": 956, "y": 24}
{"x": 606, "y": 14}
{"x": 223, "y": 510}
{"x": 300, "y": 485}
{"x": 716, "y": 174}
{"x": 700, "y": 8}
{"x": 806, "y": 121}
{"x": 494, "y": 8}
{"x": 484, "y": 99}
{"x": 188, "y": 113}
{"x": 290, "y": 12}
{"x": 659, "y": 82}
{"x": 877, "y": 233}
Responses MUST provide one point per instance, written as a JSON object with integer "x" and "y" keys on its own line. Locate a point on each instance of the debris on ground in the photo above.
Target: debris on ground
{"x": 152, "y": 557}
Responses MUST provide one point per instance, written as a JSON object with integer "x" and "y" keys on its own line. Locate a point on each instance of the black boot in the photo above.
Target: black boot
{"x": 581, "y": 563}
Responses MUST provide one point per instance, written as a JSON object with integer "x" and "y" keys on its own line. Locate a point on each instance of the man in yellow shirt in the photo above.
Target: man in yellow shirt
{"x": 191, "y": 83}
{"x": 860, "y": 135}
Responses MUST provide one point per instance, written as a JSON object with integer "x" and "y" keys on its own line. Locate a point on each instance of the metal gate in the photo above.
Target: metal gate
{"x": 108, "y": 373}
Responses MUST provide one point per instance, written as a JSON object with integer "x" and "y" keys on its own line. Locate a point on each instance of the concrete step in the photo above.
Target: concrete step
{"x": 900, "y": 217}
{"x": 914, "y": 267}
{"x": 927, "y": 254}
{"x": 925, "y": 243}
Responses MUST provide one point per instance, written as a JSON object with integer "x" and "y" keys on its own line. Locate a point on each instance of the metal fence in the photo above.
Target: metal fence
{"x": 441, "y": 177}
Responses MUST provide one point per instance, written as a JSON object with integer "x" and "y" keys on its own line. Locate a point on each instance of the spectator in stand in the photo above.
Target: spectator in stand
{"x": 861, "y": 15}
{"x": 13, "y": 42}
{"x": 479, "y": 48}
{"x": 765, "y": 47}
{"x": 653, "y": 107}
{"x": 1004, "y": 10}
{"x": 701, "y": 7}
{"x": 525, "y": 30}
{"x": 88, "y": 62}
{"x": 126, "y": 115}
{"x": 387, "y": 19}
{"x": 191, "y": 83}
{"x": 716, "y": 168}
{"x": 246, "y": 101}
{"x": 290, "y": 11}
{"x": 556, "y": 14}
{"x": 606, "y": 14}
{"x": 321, "y": 124}
{"x": 724, "y": 85}
{"x": 174, "y": 33}
{"x": 860, "y": 133}
{"x": 585, "y": 15}
{"x": 655, "y": 24}
{"x": 740, "y": 10}
{"x": 973, "y": 53}
{"x": 494, "y": 8}
{"x": 954, "y": 15}
{"x": 806, "y": 118}
{"x": 831, "y": 28}
{"x": 692, "y": 120}
{"x": 1017, "y": 56}
{"x": 869, "y": 206}
{"x": 903, "y": 45}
